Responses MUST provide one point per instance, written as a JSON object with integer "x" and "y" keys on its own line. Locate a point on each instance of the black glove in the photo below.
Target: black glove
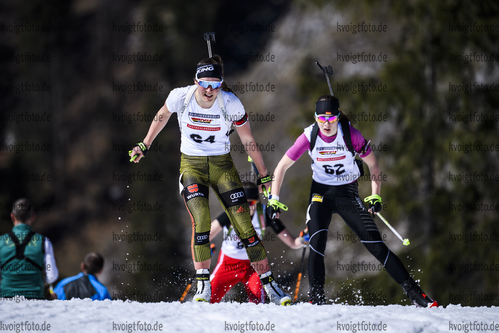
{"x": 272, "y": 211}
{"x": 274, "y": 207}
{"x": 374, "y": 202}
{"x": 275, "y": 224}
{"x": 143, "y": 149}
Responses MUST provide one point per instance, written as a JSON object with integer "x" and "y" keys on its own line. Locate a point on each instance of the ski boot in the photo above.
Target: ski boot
{"x": 316, "y": 296}
{"x": 275, "y": 294}
{"x": 203, "y": 292}
{"x": 416, "y": 295}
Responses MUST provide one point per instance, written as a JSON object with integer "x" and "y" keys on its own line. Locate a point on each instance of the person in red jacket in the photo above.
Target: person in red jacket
{"x": 233, "y": 265}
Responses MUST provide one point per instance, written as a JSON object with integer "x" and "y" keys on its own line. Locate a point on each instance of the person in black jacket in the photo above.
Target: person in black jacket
{"x": 85, "y": 284}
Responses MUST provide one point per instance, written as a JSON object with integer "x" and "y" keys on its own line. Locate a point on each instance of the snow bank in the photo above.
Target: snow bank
{"x": 121, "y": 316}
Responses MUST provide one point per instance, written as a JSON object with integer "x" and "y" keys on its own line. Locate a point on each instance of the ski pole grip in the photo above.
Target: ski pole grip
{"x": 275, "y": 203}
{"x": 130, "y": 152}
{"x": 373, "y": 198}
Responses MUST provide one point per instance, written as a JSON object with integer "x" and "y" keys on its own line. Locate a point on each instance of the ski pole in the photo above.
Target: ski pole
{"x": 298, "y": 280}
{"x": 253, "y": 164}
{"x": 404, "y": 241}
{"x": 328, "y": 70}
{"x": 186, "y": 291}
{"x": 209, "y": 37}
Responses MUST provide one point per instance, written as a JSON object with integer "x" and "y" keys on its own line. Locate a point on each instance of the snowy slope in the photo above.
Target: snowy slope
{"x": 119, "y": 316}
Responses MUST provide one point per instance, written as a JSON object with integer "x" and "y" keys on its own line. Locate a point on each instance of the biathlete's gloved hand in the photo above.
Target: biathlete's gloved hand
{"x": 374, "y": 202}
{"x": 274, "y": 207}
{"x": 276, "y": 225}
{"x": 262, "y": 180}
{"x": 134, "y": 153}
{"x": 305, "y": 235}
{"x": 213, "y": 248}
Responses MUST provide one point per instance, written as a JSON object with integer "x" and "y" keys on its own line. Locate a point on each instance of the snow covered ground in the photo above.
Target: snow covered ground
{"x": 122, "y": 316}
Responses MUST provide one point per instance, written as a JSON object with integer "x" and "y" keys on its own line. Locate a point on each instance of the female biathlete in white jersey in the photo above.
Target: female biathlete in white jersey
{"x": 206, "y": 112}
{"x": 233, "y": 266}
{"x": 335, "y": 190}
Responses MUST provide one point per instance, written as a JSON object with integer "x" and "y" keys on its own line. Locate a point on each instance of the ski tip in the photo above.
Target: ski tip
{"x": 433, "y": 305}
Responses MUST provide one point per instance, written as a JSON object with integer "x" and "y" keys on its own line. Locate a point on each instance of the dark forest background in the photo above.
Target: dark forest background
{"x": 430, "y": 107}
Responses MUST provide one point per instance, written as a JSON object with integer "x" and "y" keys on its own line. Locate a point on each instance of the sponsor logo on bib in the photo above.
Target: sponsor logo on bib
{"x": 203, "y": 128}
{"x": 330, "y": 158}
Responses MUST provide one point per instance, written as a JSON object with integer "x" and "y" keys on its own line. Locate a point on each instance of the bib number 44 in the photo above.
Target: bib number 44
{"x": 199, "y": 139}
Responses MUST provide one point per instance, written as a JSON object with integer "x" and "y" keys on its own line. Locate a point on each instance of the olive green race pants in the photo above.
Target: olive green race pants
{"x": 197, "y": 175}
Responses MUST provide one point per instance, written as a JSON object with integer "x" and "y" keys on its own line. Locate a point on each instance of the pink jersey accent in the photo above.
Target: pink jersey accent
{"x": 358, "y": 142}
{"x": 302, "y": 144}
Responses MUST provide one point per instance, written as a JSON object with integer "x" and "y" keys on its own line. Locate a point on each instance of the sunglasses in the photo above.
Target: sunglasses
{"x": 213, "y": 84}
{"x": 252, "y": 202}
{"x": 330, "y": 119}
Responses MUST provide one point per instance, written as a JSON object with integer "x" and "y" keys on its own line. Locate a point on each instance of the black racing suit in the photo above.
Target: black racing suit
{"x": 325, "y": 200}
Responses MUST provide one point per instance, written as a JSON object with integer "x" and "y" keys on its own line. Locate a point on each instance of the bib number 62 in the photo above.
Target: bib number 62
{"x": 334, "y": 169}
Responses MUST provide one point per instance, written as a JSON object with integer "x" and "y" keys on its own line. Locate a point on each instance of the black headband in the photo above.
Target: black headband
{"x": 327, "y": 107}
{"x": 209, "y": 70}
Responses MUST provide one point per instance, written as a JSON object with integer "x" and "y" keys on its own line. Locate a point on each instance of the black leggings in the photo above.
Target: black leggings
{"x": 326, "y": 200}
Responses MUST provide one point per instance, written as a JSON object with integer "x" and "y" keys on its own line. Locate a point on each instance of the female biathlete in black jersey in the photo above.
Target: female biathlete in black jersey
{"x": 335, "y": 190}
{"x": 206, "y": 112}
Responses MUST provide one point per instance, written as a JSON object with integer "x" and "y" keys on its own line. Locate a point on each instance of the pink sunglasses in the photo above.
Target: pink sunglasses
{"x": 330, "y": 119}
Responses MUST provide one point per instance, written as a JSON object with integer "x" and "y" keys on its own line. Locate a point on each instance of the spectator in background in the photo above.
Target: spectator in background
{"x": 85, "y": 284}
{"x": 26, "y": 258}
